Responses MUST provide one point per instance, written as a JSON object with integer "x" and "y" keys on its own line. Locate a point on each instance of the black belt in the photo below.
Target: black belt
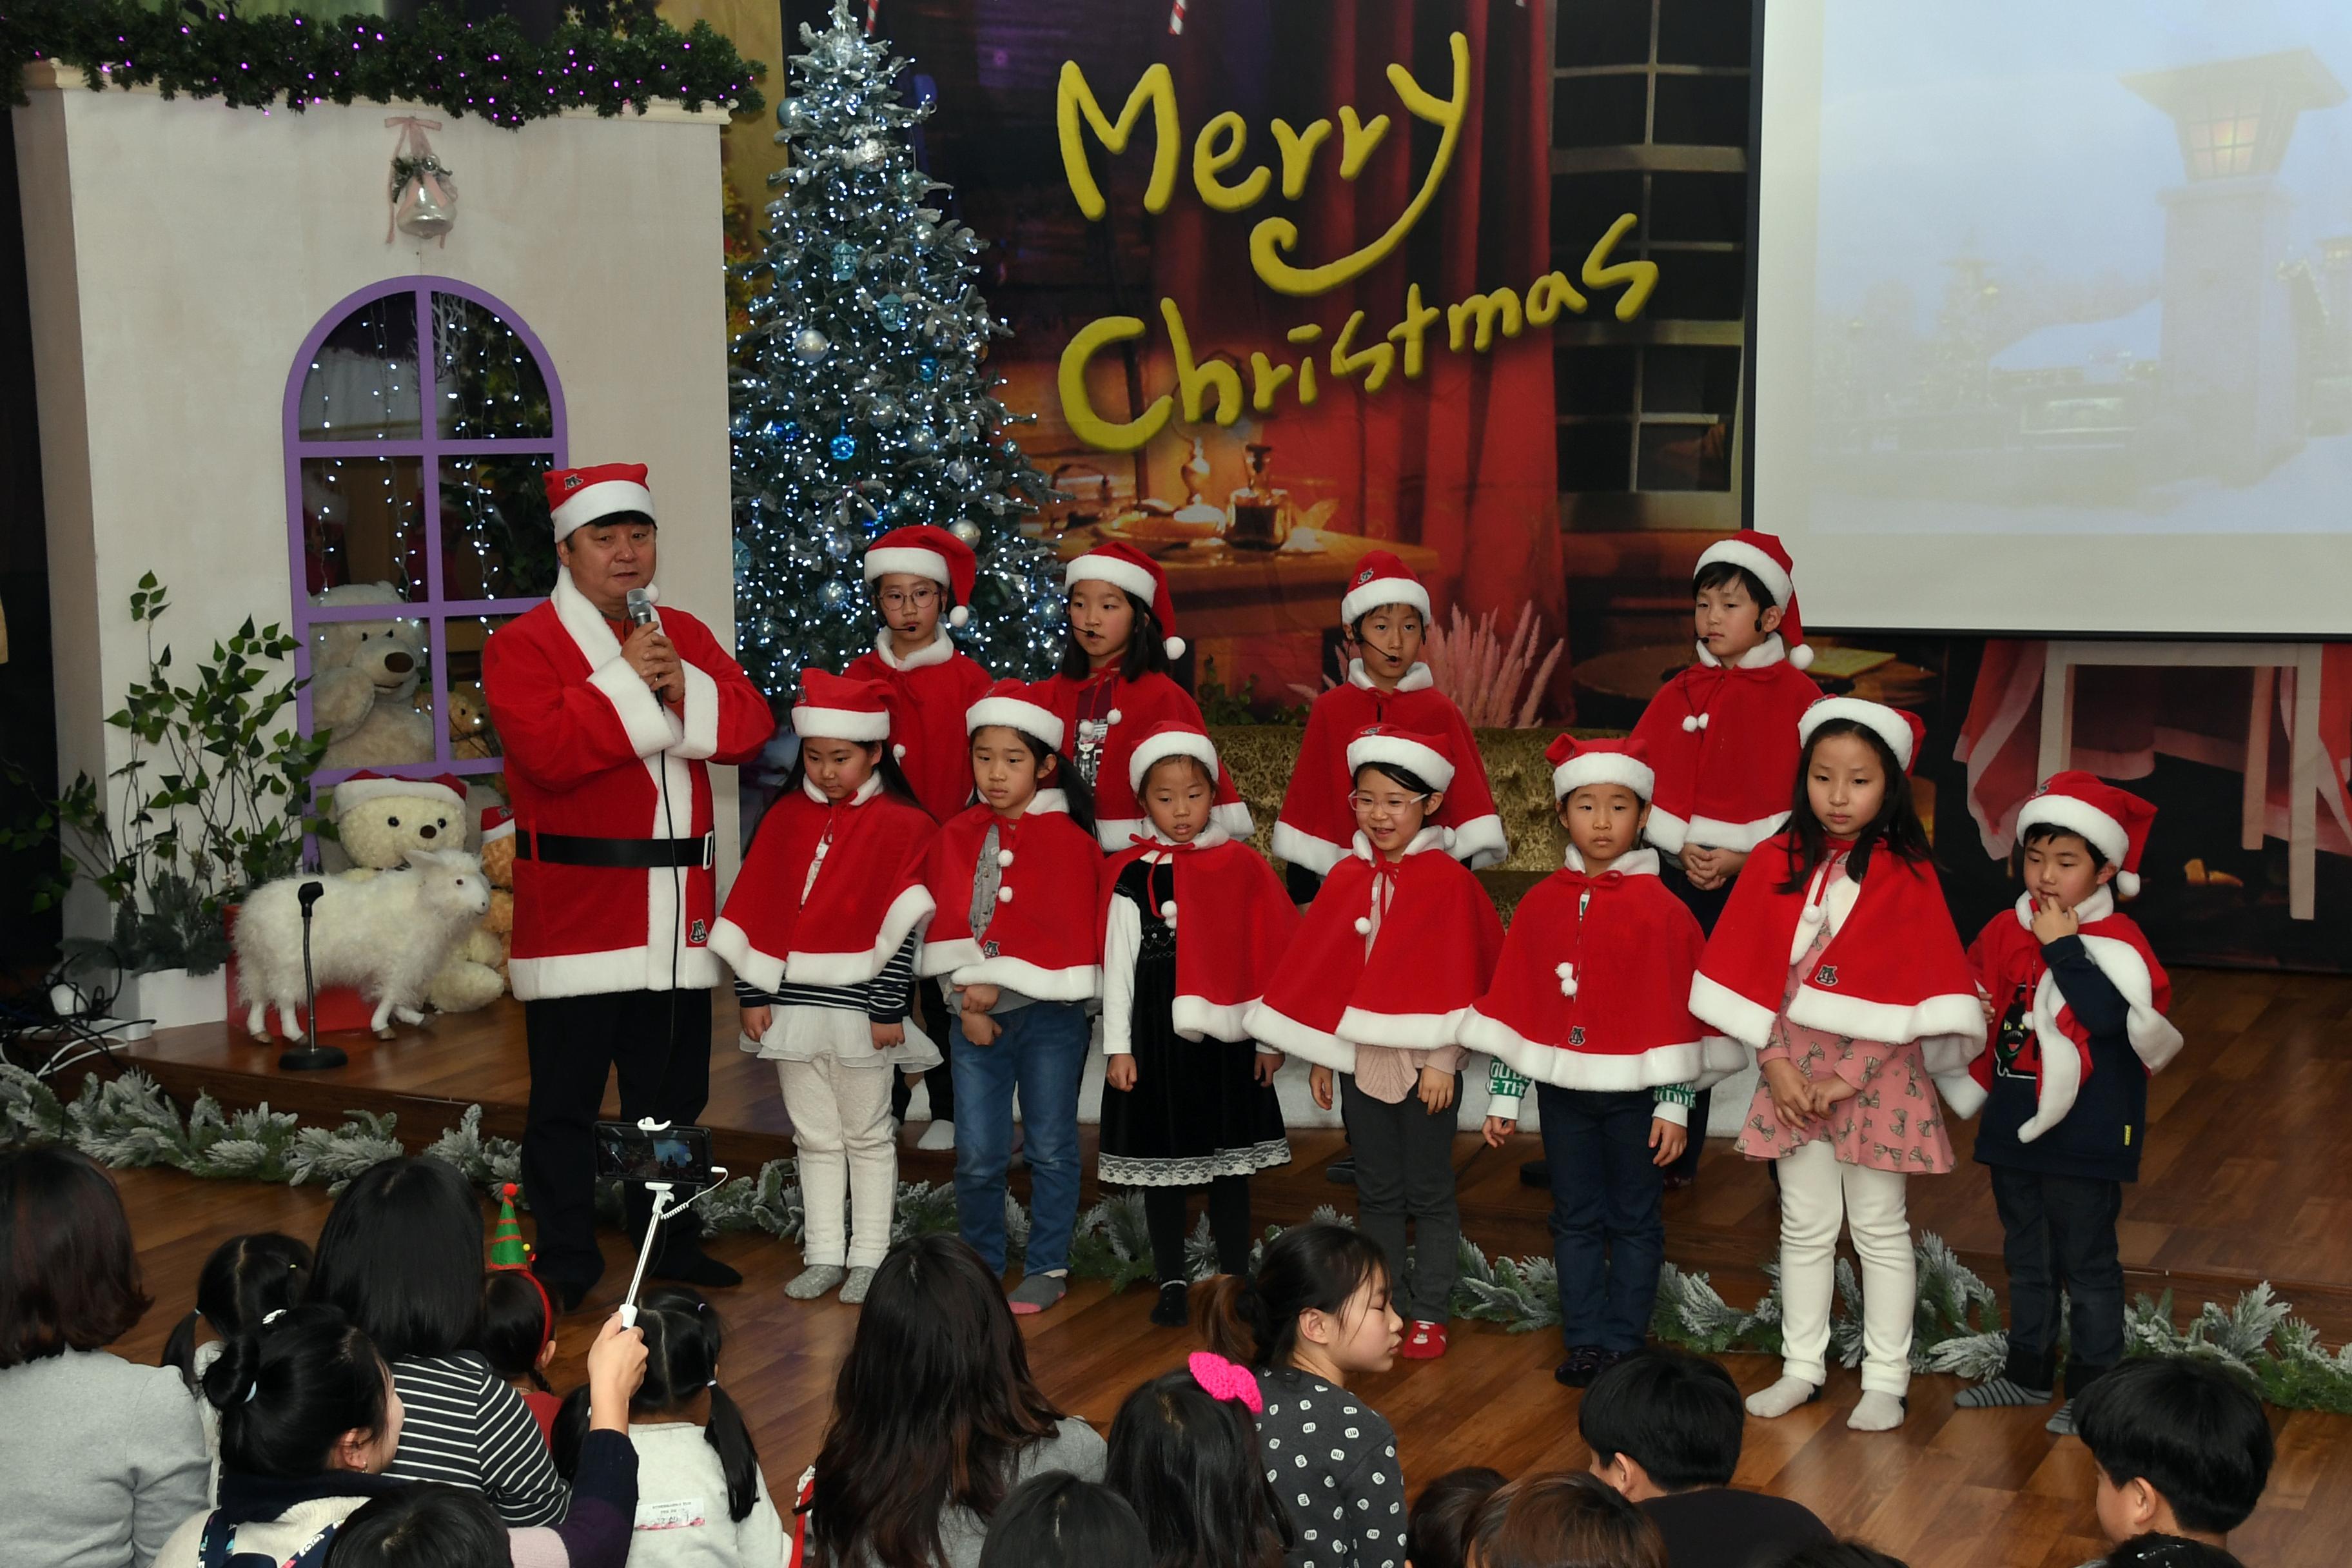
{"x": 630, "y": 854}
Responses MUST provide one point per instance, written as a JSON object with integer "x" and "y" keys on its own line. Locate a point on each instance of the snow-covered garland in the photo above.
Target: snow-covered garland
{"x": 129, "y": 1122}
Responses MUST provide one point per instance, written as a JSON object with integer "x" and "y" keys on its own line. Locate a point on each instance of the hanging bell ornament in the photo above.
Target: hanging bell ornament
{"x": 811, "y": 345}
{"x": 869, "y": 152}
{"x": 965, "y": 530}
{"x": 423, "y": 190}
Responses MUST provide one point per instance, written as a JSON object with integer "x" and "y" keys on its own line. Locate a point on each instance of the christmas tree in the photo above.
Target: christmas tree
{"x": 862, "y": 398}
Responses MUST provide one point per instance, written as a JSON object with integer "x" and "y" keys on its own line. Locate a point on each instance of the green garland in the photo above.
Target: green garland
{"x": 488, "y": 69}
{"x": 129, "y": 1122}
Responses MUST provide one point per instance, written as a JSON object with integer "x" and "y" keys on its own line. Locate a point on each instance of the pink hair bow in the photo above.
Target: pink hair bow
{"x": 1221, "y": 1379}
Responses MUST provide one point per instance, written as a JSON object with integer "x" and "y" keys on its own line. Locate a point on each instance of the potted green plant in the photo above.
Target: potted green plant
{"x": 212, "y": 800}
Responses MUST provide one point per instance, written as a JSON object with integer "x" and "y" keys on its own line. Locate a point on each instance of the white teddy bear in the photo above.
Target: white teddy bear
{"x": 383, "y": 823}
{"x": 363, "y": 679}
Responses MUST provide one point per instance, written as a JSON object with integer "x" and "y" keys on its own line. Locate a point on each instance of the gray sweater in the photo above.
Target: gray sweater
{"x": 104, "y": 1459}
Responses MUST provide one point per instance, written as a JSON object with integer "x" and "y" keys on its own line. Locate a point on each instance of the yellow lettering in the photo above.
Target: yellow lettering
{"x": 1209, "y": 160}
{"x": 1483, "y": 308}
{"x": 1073, "y": 98}
{"x": 1298, "y": 152}
{"x": 1548, "y": 294}
{"x": 1412, "y": 332}
{"x": 1380, "y": 357}
{"x": 1276, "y": 236}
{"x": 1357, "y": 141}
{"x": 1303, "y": 336}
{"x": 1265, "y": 379}
{"x": 1640, "y": 277}
{"x": 1194, "y": 380}
{"x": 1078, "y": 412}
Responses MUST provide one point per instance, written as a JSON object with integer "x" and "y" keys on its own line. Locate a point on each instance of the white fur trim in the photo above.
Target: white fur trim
{"x": 1208, "y": 837}
{"x": 1119, "y": 573}
{"x": 602, "y": 973}
{"x": 1294, "y": 1038}
{"x": 907, "y": 913}
{"x": 939, "y": 650}
{"x": 1381, "y": 591}
{"x": 1082, "y": 983}
{"x": 1234, "y": 817}
{"x": 503, "y": 830}
{"x": 602, "y": 499}
{"x": 1577, "y": 1069}
{"x": 1173, "y": 646}
{"x": 947, "y": 957}
{"x": 1405, "y": 1031}
{"x": 1051, "y": 801}
{"x": 1117, "y": 832}
{"x": 1876, "y": 717}
{"x": 912, "y": 560}
{"x": 1710, "y": 833}
{"x": 733, "y": 944}
{"x": 840, "y": 724}
{"x": 1722, "y": 1057}
{"x": 1427, "y": 764}
{"x": 1603, "y": 767}
{"x": 1962, "y": 1094}
{"x": 1198, "y": 1018}
{"x": 1015, "y": 714}
{"x": 650, "y": 726}
{"x": 352, "y": 791}
{"x": 1632, "y": 863}
{"x": 2152, "y": 1035}
{"x": 1299, "y": 848}
{"x": 1749, "y": 1023}
{"x": 700, "y": 718}
{"x": 2072, "y": 813}
{"x": 1739, "y": 553}
{"x": 1772, "y": 650}
{"x": 1948, "y": 1030}
{"x": 1171, "y": 743}
{"x": 1480, "y": 842}
{"x": 1417, "y": 678}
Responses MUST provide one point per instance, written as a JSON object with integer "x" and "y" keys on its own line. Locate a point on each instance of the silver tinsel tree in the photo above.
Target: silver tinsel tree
{"x": 862, "y": 398}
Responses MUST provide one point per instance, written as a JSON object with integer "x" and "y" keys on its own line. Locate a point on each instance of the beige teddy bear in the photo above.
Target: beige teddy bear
{"x": 380, "y": 822}
{"x": 364, "y": 680}
{"x": 493, "y": 943}
{"x": 470, "y": 735}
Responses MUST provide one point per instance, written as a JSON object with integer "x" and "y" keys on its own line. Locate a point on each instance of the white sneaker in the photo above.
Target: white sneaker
{"x": 937, "y": 1135}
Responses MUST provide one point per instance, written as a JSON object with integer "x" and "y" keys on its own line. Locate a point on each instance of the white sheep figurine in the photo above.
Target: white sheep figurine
{"x": 388, "y": 936}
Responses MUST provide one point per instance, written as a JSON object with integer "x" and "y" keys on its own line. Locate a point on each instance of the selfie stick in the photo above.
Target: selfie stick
{"x": 662, "y": 1210}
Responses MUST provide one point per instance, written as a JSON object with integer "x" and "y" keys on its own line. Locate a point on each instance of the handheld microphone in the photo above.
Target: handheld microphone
{"x": 641, "y": 608}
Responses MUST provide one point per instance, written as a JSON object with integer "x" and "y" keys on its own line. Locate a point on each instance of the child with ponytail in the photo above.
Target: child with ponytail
{"x": 1837, "y": 962}
{"x": 1184, "y": 1453}
{"x": 246, "y": 1278}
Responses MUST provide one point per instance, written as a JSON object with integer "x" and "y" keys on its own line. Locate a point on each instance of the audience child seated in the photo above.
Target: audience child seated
{"x": 1562, "y": 1519}
{"x": 246, "y": 1278}
{"x": 935, "y": 1420}
{"x": 519, "y": 1339}
{"x": 401, "y": 1255}
{"x": 2181, "y": 1446}
{"x": 1437, "y": 1532}
{"x": 1664, "y": 1428}
{"x": 702, "y": 1500}
{"x": 1057, "y": 1521}
{"x": 106, "y": 1457}
{"x": 424, "y": 1524}
{"x": 1184, "y": 1454}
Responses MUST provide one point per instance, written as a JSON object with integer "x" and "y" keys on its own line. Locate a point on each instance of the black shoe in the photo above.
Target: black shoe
{"x": 1341, "y": 1172}
{"x": 1583, "y": 1364}
{"x": 1168, "y": 1311}
{"x": 1535, "y": 1174}
{"x": 567, "y": 1294}
{"x": 695, "y": 1268}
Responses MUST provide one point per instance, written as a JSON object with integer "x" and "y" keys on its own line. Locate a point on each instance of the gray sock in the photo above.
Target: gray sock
{"x": 2002, "y": 1392}
{"x": 815, "y": 1282}
{"x": 853, "y": 1289}
{"x": 1038, "y": 1291}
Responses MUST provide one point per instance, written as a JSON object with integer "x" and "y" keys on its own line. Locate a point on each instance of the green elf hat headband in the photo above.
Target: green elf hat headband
{"x": 510, "y": 1251}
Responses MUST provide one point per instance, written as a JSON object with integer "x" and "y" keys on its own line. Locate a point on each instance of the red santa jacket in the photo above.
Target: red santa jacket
{"x": 1044, "y": 938}
{"x": 1240, "y": 925}
{"x": 1432, "y": 956}
{"x": 1892, "y": 971}
{"x": 1723, "y": 742}
{"x": 1135, "y": 707}
{"x": 928, "y": 693}
{"x": 2007, "y": 957}
{"x": 588, "y": 749}
{"x": 1317, "y": 824}
{"x": 1593, "y": 989}
{"x": 859, "y": 911}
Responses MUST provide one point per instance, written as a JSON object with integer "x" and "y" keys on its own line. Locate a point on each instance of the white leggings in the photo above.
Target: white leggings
{"x": 1817, "y": 1190}
{"x": 848, "y": 1153}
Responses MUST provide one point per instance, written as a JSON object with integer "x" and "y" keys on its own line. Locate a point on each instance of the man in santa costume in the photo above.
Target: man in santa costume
{"x": 610, "y": 723}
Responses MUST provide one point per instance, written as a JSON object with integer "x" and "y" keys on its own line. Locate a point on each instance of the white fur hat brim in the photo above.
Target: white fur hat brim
{"x": 1877, "y": 718}
{"x": 1109, "y": 569}
{"x": 1160, "y": 748}
{"x": 585, "y": 505}
{"x": 1429, "y": 766}
{"x": 1603, "y": 767}
{"x": 1014, "y": 714}
{"x": 840, "y": 724}
{"x": 2072, "y": 813}
{"x": 916, "y": 562}
{"x": 353, "y": 791}
{"x": 1738, "y": 553}
{"x": 1381, "y": 591}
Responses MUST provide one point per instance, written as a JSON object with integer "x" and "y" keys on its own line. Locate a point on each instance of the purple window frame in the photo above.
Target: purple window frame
{"x": 433, "y": 609}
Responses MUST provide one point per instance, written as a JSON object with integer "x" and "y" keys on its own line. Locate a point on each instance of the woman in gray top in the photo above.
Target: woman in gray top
{"x": 935, "y": 1419}
{"x": 107, "y": 1458}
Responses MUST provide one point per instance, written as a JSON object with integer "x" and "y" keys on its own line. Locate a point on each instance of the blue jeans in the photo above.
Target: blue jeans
{"x": 1608, "y": 1224}
{"x": 1042, "y": 1051}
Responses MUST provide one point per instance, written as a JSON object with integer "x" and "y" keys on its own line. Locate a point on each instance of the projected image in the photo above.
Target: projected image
{"x": 2084, "y": 268}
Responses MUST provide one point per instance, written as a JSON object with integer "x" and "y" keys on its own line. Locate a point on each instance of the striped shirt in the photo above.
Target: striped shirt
{"x": 882, "y": 999}
{"x": 466, "y": 1427}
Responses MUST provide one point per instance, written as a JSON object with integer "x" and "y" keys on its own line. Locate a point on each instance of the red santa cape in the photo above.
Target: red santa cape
{"x": 859, "y": 909}
{"x": 1432, "y": 958}
{"x": 930, "y": 690}
{"x": 1592, "y": 989}
{"x": 1042, "y": 939}
{"x": 1723, "y": 742}
{"x": 2007, "y": 955}
{"x": 1317, "y": 825}
{"x": 1892, "y": 971}
{"x": 1136, "y": 708}
{"x": 1242, "y": 924}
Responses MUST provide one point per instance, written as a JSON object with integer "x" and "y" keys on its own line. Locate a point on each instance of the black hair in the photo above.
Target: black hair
{"x": 1201, "y": 769}
{"x": 246, "y": 1278}
{"x": 2194, "y": 1432}
{"x": 1057, "y": 1521}
{"x": 1835, "y": 1554}
{"x": 1318, "y": 1266}
{"x": 683, "y": 1338}
{"x": 1404, "y": 777}
{"x": 1187, "y": 1462}
{"x": 1144, "y": 655}
{"x": 946, "y": 593}
{"x": 289, "y": 1390}
{"x": 1726, "y": 574}
{"x": 68, "y": 1271}
{"x": 2043, "y": 832}
{"x": 1896, "y": 828}
{"x": 1437, "y": 1528}
{"x": 931, "y": 1407}
{"x": 518, "y": 1320}
{"x": 886, "y": 764}
{"x": 2155, "y": 1550}
{"x": 1078, "y": 793}
{"x": 401, "y": 1254}
{"x": 1563, "y": 1519}
{"x": 424, "y": 1524}
{"x": 1355, "y": 627}
{"x": 1675, "y": 1414}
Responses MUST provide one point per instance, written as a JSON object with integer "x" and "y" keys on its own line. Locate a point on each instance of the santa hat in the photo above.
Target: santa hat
{"x": 834, "y": 707}
{"x": 1901, "y": 731}
{"x": 2112, "y": 821}
{"x": 498, "y": 822}
{"x": 1170, "y": 738}
{"x": 577, "y": 497}
{"x": 1763, "y": 554}
{"x": 1423, "y": 757}
{"x": 370, "y": 786}
{"x": 1124, "y": 566}
{"x": 1016, "y": 705}
{"x": 1381, "y": 579}
{"x": 1576, "y": 763}
{"x": 926, "y": 551}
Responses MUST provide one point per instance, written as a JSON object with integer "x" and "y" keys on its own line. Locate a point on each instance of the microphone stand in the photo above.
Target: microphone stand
{"x": 310, "y": 1055}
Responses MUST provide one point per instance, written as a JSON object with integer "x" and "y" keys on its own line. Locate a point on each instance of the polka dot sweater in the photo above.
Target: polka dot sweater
{"x": 1332, "y": 1460}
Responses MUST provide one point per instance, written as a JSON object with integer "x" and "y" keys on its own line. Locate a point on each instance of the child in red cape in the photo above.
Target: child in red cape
{"x": 2076, "y": 999}
{"x": 1397, "y": 946}
{"x": 1386, "y": 612}
{"x": 1836, "y": 960}
{"x": 1592, "y": 1002}
{"x": 1187, "y": 1101}
{"x": 1114, "y": 687}
{"x": 822, "y": 928}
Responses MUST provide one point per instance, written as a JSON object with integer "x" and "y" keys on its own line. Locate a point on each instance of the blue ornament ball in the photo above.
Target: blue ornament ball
{"x": 847, "y": 259}
{"x": 928, "y": 368}
{"x": 892, "y": 309}
{"x": 844, "y": 447}
{"x": 833, "y": 596}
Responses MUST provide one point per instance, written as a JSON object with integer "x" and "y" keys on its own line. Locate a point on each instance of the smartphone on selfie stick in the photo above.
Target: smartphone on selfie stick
{"x": 673, "y": 1163}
